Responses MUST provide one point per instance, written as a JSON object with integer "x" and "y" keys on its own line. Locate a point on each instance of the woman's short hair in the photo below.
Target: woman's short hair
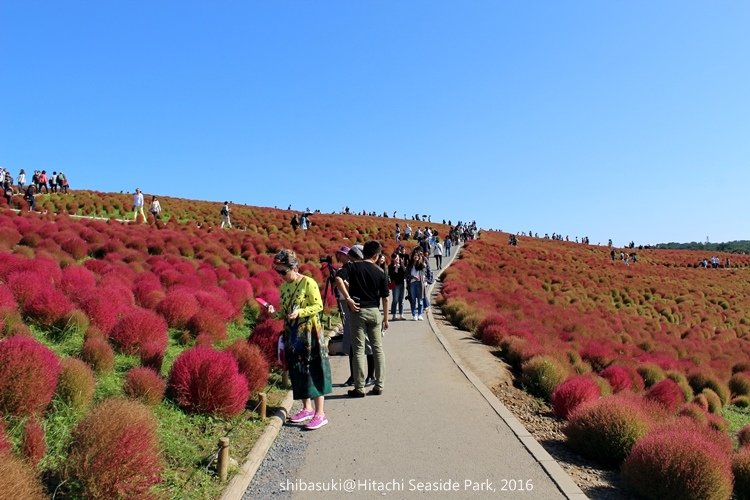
{"x": 286, "y": 257}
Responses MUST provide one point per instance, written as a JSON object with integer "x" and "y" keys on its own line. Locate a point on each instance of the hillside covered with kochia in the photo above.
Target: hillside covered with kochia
{"x": 128, "y": 349}
{"x": 643, "y": 360}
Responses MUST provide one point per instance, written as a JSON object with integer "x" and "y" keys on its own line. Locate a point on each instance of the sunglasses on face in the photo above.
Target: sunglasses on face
{"x": 282, "y": 272}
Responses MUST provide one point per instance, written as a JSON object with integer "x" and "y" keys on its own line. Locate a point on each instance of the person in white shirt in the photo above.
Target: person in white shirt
{"x": 21, "y": 180}
{"x": 225, "y": 210}
{"x": 138, "y": 205}
{"x": 437, "y": 252}
{"x": 155, "y": 208}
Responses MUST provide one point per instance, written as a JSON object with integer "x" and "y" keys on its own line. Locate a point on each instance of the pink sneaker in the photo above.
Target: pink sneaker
{"x": 302, "y": 416}
{"x": 317, "y": 422}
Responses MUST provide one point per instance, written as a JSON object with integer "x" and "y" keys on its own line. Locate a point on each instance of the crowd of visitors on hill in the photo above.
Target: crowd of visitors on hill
{"x": 57, "y": 182}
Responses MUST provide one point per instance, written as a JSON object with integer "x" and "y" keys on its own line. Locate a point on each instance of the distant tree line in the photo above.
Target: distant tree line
{"x": 740, "y": 246}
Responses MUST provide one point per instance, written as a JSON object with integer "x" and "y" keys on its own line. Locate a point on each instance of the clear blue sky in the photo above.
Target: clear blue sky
{"x": 621, "y": 119}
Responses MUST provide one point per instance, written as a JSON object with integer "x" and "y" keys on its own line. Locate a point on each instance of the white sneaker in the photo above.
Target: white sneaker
{"x": 393, "y": 318}
{"x": 401, "y": 316}
{"x": 420, "y": 318}
{"x": 414, "y": 318}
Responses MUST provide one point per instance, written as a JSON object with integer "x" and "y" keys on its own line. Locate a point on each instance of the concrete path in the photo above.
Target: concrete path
{"x": 430, "y": 433}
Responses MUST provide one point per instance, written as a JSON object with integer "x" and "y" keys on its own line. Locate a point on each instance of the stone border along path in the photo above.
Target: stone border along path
{"x": 429, "y": 433}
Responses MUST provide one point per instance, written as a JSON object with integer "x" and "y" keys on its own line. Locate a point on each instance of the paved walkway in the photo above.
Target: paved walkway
{"x": 431, "y": 432}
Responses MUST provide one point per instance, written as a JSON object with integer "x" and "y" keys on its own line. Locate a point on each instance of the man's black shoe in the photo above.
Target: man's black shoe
{"x": 354, "y": 393}
{"x": 376, "y": 391}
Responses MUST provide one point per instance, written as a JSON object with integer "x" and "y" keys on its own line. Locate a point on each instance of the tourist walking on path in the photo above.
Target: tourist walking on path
{"x": 138, "y": 205}
{"x": 304, "y": 355}
{"x": 21, "y": 181}
{"x": 448, "y": 243}
{"x": 42, "y": 180}
{"x": 62, "y": 182}
{"x": 415, "y": 277}
{"x": 155, "y": 208}
{"x": 355, "y": 255}
{"x": 367, "y": 290}
{"x": 225, "y": 211}
{"x": 437, "y": 252}
{"x": 30, "y": 192}
{"x": 397, "y": 277}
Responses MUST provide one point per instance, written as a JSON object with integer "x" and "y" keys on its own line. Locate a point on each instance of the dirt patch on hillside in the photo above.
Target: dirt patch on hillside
{"x": 535, "y": 415}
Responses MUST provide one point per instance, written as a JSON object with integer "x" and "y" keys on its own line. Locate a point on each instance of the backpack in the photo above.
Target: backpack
{"x": 224, "y": 211}
{"x": 429, "y": 277}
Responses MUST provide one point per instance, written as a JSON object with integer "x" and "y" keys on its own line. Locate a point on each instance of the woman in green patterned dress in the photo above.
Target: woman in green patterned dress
{"x": 305, "y": 356}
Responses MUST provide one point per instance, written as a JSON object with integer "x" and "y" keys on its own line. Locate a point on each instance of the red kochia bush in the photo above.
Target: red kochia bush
{"x": 33, "y": 445}
{"x": 251, "y": 363}
{"x": 667, "y": 393}
{"x": 75, "y": 280}
{"x": 17, "y": 477}
{"x": 239, "y": 293}
{"x": 28, "y": 375}
{"x": 48, "y": 307}
{"x": 115, "y": 451}
{"x": 178, "y": 307}
{"x": 208, "y": 324}
{"x": 98, "y": 354}
{"x": 206, "y": 381}
{"x": 574, "y": 392}
{"x": 266, "y": 336}
{"x": 598, "y": 354}
{"x": 622, "y": 378}
{"x": 678, "y": 464}
{"x": 145, "y": 385}
{"x": 137, "y": 328}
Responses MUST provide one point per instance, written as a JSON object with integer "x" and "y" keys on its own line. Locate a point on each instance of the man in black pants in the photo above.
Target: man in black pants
{"x": 368, "y": 288}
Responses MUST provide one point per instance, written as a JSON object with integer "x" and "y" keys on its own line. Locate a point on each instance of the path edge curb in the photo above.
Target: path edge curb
{"x": 553, "y": 469}
{"x": 236, "y": 488}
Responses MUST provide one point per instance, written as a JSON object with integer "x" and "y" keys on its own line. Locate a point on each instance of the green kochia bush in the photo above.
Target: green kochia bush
{"x": 541, "y": 374}
{"x": 607, "y": 429}
{"x": 76, "y": 383}
{"x": 678, "y": 464}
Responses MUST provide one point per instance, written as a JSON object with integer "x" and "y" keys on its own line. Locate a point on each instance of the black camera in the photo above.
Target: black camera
{"x": 327, "y": 259}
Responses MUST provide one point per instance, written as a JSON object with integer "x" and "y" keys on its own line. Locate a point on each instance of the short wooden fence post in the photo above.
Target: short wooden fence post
{"x": 223, "y": 464}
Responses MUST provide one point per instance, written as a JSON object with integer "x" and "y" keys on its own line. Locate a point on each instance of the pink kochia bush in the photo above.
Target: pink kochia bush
{"x": 28, "y": 376}
{"x": 115, "y": 451}
{"x": 266, "y": 336}
{"x": 678, "y": 464}
{"x": 251, "y": 363}
{"x": 48, "y": 307}
{"x": 574, "y": 392}
{"x": 206, "y": 381}
{"x": 178, "y": 307}
{"x": 667, "y": 393}
{"x": 622, "y": 378}
{"x": 137, "y": 328}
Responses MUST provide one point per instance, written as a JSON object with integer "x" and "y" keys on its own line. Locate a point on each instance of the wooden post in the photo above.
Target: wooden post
{"x": 285, "y": 379}
{"x": 223, "y": 462}
{"x": 263, "y": 403}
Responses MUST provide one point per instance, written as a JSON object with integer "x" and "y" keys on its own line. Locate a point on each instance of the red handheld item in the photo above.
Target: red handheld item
{"x": 262, "y": 302}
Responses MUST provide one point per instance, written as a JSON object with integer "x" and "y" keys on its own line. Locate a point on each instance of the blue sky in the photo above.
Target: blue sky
{"x": 613, "y": 119}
